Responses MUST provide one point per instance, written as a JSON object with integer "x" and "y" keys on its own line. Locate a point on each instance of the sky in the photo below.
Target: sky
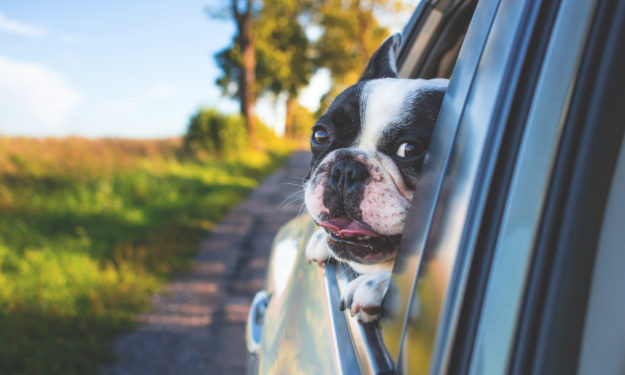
{"x": 136, "y": 69}
{"x": 108, "y": 68}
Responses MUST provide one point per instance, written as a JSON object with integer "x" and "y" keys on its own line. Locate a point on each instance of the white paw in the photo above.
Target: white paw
{"x": 364, "y": 295}
{"x": 317, "y": 248}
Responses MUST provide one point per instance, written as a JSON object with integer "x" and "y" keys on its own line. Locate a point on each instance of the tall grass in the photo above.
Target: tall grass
{"x": 89, "y": 229}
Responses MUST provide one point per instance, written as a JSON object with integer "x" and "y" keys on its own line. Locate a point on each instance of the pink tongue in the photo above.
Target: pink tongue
{"x": 347, "y": 228}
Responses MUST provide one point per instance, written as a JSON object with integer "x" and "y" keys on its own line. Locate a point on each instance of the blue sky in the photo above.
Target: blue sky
{"x": 107, "y": 68}
{"x": 118, "y": 68}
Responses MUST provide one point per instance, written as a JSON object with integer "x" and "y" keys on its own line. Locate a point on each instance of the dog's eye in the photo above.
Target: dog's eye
{"x": 408, "y": 150}
{"x": 321, "y": 136}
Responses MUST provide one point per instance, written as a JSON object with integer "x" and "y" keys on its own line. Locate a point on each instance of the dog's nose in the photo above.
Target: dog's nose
{"x": 345, "y": 175}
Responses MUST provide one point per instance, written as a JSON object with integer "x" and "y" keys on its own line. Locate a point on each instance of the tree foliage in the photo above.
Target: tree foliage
{"x": 282, "y": 51}
{"x": 286, "y": 57}
{"x": 351, "y": 34}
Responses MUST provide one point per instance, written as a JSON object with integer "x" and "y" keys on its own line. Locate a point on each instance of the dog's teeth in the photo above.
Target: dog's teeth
{"x": 361, "y": 238}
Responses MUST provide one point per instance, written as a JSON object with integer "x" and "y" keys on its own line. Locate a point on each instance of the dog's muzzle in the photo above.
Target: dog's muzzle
{"x": 345, "y": 177}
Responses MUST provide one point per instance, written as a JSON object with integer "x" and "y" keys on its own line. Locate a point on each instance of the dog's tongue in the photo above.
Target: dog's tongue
{"x": 347, "y": 228}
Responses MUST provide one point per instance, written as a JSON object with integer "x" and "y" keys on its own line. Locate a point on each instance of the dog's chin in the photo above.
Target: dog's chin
{"x": 364, "y": 251}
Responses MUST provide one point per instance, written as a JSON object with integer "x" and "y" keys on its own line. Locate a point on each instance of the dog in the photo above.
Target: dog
{"x": 368, "y": 149}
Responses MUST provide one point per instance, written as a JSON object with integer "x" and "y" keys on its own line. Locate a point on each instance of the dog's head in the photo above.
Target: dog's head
{"x": 368, "y": 149}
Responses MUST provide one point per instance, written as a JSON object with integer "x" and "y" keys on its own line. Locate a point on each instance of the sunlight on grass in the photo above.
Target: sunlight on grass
{"x": 89, "y": 229}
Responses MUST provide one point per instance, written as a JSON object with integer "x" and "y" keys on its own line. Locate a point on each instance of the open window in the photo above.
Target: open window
{"x": 432, "y": 41}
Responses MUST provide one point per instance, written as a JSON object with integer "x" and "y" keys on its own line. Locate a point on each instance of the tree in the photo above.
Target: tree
{"x": 285, "y": 58}
{"x": 239, "y": 61}
{"x": 282, "y": 55}
{"x": 351, "y": 33}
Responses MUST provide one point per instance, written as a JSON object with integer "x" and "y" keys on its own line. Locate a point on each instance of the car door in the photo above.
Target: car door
{"x": 499, "y": 248}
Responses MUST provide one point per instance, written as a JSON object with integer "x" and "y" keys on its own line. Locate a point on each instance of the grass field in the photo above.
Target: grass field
{"x": 89, "y": 229}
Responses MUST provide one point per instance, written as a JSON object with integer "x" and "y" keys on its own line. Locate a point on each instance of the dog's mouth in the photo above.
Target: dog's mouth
{"x": 353, "y": 240}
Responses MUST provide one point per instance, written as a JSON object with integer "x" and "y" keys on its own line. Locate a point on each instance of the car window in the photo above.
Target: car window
{"x": 432, "y": 41}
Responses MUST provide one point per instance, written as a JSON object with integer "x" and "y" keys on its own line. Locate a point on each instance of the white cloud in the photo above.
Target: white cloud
{"x": 15, "y": 27}
{"x": 34, "y": 91}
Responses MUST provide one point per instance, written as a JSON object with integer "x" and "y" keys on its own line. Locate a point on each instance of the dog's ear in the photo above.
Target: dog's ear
{"x": 383, "y": 63}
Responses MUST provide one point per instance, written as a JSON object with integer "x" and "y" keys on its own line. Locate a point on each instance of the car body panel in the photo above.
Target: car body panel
{"x": 302, "y": 314}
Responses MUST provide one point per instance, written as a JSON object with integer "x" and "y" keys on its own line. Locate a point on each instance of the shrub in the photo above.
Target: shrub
{"x": 215, "y": 133}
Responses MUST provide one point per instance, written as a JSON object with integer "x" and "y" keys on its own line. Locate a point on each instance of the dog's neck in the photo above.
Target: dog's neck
{"x": 370, "y": 268}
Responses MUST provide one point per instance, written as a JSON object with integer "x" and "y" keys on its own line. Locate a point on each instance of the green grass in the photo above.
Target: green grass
{"x": 89, "y": 230}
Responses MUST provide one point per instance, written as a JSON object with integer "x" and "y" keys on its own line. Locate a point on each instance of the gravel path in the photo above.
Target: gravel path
{"x": 198, "y": 323}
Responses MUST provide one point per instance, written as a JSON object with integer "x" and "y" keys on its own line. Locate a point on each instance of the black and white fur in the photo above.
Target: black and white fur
{"x": 368, "y": 149}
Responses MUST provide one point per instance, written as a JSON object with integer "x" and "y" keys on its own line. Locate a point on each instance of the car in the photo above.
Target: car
{"x": 513, "y": 257}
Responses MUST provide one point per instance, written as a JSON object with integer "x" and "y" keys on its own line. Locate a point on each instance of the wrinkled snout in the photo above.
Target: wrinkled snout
{"x": 345, "y": 177}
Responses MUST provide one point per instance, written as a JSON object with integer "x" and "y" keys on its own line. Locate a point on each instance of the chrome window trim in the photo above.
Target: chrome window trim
{"x": 370, "y": 350}
{"x": 493, "y": 347}
{"x": 345, "y": 353}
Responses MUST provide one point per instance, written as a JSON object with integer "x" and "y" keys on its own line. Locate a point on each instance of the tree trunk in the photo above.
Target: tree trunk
{"x": 291, "y": 100}
{"x": 246, "y": 89}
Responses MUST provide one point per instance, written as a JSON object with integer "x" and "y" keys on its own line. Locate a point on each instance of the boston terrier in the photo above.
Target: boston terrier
{"x": 368, "y": 149}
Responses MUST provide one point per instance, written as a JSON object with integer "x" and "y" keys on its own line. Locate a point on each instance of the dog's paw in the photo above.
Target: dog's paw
{"x": 364, "y": 295}
{"x": 317, "y": 248}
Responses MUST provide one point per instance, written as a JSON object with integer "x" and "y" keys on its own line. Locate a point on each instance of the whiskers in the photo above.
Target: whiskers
{"x": 295, "y": 199}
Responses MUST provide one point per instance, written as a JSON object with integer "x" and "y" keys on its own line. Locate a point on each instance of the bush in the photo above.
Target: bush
{"x": 215, "y": 133}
